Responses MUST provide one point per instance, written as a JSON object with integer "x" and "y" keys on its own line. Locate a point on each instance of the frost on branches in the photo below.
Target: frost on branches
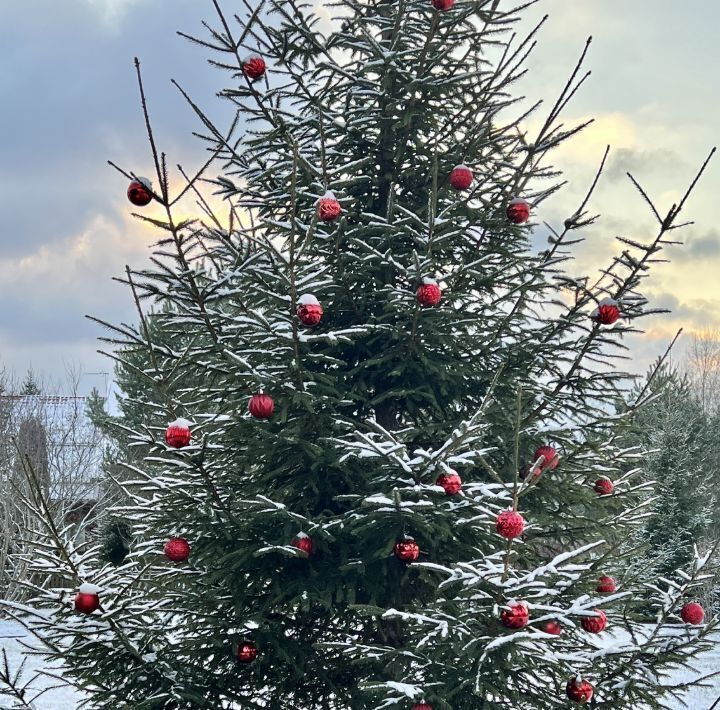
{"x": 392, "y": 503}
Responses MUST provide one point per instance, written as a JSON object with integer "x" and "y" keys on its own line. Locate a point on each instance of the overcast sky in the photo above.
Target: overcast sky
{"x": 69, "y": 103}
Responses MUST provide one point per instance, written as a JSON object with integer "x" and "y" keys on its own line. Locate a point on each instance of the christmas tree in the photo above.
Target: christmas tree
{"x": 376, "y": 460}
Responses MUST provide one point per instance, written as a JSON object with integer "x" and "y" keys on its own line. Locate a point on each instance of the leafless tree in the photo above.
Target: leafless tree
{"x": 703, "y": 368}
{"x": 47, "y": 434}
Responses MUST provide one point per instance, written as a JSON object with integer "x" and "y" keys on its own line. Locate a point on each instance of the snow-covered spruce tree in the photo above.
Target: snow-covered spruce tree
{"x": 682, "y": 442}
{"x": 404, "y": 486}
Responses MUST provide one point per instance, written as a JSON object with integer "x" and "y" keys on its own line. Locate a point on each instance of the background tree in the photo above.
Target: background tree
{"x": 683, "y": 447}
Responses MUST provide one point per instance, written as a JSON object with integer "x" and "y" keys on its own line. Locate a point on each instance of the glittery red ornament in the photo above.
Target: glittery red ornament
{"x": 254, "y": 67}
{"x": 178, "y": 434}
{"x": 579, "y": 690}
{"x": 261, "y": 406}
{"x": 428, "y": 294}
{"x": 518, "y": 211}
{"x": 451, "y": 482}
{"x": 328, "y": 208}
{"x": 607, "y": 312}
{"x": 309, "y": 310}
{"x": 550, "y": 458}
{"x": 604, "y": 486}
{"x": 87, "y": 600}
{"x": 692, "y": 613}
{"x": 553, "y": 627}
{"x": 594, "y": 624}
{"x": 443, "y": 4}
{"x": 516, "y": 617}
{"x": 510, "y": 524}
{"x": 139, "y": 192}
{"x": 246, "y": 652}
{"x": 177, "y": 549}
{"x": 606, "y": 585}
{"x": 407, "y": 550}
{"x": 423, "y": 706}
{"x": 461, "y": 176}
{"x": 303, "y": 543}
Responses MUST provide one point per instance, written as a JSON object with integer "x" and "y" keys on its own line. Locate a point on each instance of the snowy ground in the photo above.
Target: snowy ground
{"x": 67, "y": 699}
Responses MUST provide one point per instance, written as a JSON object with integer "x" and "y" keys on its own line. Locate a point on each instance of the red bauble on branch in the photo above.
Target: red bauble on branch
{"x": 253, "y": 67}
{"x": 461, "y": 176}
{"x": 309, "y": 310}
{"x": 579, "y": 690}
{"x": 594, "y": 624}
{"x": 604, "y": 486}
{"x": 87, "y": 600}
{"x": 550, "y": 457}
{"x": 140, "y": 192}
{"x": 328, "y": 208}
{"x": 606, "y": 585}
{"x": 518, "y": 211}
{"x": 553, "y": 627}
{"x": 510, "y": 524}
{"x": 451, "y": 482}
{"x": 692, "y": 613}
{"x": 303, "y": 543}
{"x": 178, "y": 434}
{"x": 246, "y": 652}
{"x": 177, "y": 549}
{"x": 443, "y": 4}
{"x": 422, "y": 706}
{"x": 407, "y": 550}
{"x": 429, "y": 293}
{"x": 607, "y": 312}
{"x": 261, "y": 406}
{"x": 516, "y": 617}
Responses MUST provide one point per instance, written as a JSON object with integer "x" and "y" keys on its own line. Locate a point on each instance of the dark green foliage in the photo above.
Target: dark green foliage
{"x": 115, "y": 540}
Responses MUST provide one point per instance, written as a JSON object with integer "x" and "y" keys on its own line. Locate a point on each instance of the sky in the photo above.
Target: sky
{"x": 69, "y": 103}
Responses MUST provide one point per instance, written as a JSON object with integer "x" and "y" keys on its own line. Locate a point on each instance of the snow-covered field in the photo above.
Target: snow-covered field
{"x": 67, "y": 699}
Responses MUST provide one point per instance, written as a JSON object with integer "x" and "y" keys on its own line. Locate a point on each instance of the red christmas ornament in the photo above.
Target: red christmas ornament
{"x": 518, "y": 211}
{"x": 178, "y": 434}
{"x": 510, "y": 524}
{"x": 303, "y": 543}
{"x": 246, "y": 652}
{"x": 328, "y": 208}
{"x": 407, "y": 550}
{"x": 443, "y": 4}
{"x": 451, "y": 482}
{"x": 692, "y": 613}
{"x": 87, "y": 600}
{"x": 261, "y": 406}
{"x": 594, "y": 624}
{"x": 423, "y": 706}
{"x": 177, "y": 549}
{"x": 553, "y": 627}
{"x": 461, "y": 176}
{"x": 604, "y": 486}
{"x": 254, "y": 67}
{"x": 516, "y": 617}
{"x": 606, "y": 585}
{"x": 429, "y": 294}
{"x": 309, "y": 310}
{"x": 139, "y": 192}
{"x": 550, "y": 458}
{"x": 607, "y": 312}
{"x": 579, "y": 690}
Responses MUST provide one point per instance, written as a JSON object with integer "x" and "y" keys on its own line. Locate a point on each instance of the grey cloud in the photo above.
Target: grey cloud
{"x": 69, "y": 98}
{"x": 697, "y": 247}
{"x": 633, "y": 161}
